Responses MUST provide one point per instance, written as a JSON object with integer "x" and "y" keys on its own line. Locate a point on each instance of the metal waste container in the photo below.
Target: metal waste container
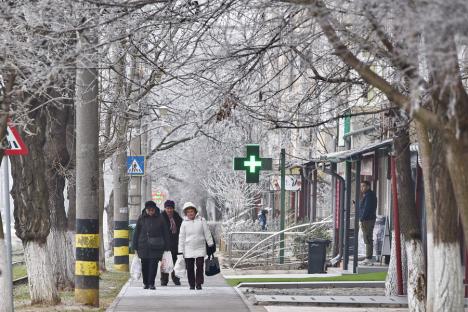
{"x": 317, "y": 255}
{"x": 131, "y": 230}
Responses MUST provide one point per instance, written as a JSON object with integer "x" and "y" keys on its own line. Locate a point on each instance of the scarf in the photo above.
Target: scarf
{"x": 173, "y": 225}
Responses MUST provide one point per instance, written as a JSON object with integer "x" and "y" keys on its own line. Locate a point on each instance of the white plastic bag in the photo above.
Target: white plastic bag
{"x": 167, "y": 265}
{"x": 135, "y": 269}
{"x": 179, "y": 267}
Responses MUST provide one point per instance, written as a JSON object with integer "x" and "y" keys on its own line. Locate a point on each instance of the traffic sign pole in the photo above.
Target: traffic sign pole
{"x": 6, "y": 200}
{"x": 283, "y": 203}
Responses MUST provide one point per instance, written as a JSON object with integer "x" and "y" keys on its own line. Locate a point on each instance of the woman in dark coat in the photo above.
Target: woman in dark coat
{"x": 151, "y": 239}
{"x": 173, "y": 221}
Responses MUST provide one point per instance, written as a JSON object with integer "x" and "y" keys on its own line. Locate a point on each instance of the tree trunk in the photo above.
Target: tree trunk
{"x": 102, "y": 256}
{"x": 41, "y": 286}
{"x": 56, "y": 159}
{"x": 448, "y": 284}
{"x": 110, "y": 223}
{"x": 32, "y": 214}
{"x": 425, "y": 154}
{"x": 391, "y": 279}
{"x": 71, "y": 173}
{"x": 411, "y": 233}
{"x": 457, "y": 152}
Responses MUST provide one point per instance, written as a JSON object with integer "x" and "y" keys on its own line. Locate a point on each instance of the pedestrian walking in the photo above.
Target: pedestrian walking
{"x": 193, "y": 238}
{"x": 151, "y": 239}
{"x": 173, "y": 222}
{"x": 367, "y": 216}
{"x": 262, "y": 219}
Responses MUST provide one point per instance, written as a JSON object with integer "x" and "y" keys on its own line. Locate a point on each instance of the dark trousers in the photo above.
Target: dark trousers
{"x": 195, "y": 277}
{"x": 367, "y": 227}
{"x": 149, "y": 268}
{"x": 165, "y": 276}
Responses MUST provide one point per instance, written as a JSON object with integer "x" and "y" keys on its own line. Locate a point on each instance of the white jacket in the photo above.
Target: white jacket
{"x": 192, "y": 237}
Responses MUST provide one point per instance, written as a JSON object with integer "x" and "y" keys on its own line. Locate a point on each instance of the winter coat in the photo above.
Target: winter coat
{"x": 368, "y": 206}
{"x": 173, "y": 237}
{"x": 150, "y": 227}
{"x": 262, "y": 220}
{"x": 194, "y": 234}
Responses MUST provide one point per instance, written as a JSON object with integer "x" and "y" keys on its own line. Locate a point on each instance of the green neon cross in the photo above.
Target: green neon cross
{"x": 252, "y": 163}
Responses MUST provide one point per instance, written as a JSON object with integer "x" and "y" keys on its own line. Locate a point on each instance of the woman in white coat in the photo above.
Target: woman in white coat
{"x": 193, "y": 237}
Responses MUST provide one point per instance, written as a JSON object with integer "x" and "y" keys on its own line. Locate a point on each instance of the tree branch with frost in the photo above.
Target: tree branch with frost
{"x": 323, "y": 16}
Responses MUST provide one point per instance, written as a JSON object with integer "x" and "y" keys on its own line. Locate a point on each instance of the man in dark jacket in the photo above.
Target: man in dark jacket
{"x": 151, "y": 239}
{"x": 173, "y": 222}
{"x": 367, "y": 216}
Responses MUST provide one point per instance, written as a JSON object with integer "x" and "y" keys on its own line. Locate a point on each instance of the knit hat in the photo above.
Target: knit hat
{"x": 150, "y": 204}
{"x": 188, "y": 205}
{"x": 169, "y": 204}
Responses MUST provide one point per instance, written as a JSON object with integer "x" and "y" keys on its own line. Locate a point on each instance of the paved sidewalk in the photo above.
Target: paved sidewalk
{"x": 216, "y": 295}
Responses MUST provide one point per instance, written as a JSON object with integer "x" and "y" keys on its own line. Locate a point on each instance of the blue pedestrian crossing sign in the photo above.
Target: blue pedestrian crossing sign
{"x": 136, "y": 165}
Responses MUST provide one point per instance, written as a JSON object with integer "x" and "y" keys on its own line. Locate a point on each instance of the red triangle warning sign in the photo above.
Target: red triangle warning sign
{"x": 16, "y": 145}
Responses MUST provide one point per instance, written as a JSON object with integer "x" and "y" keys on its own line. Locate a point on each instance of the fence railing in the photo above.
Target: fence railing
{"x": 262, "y": 249}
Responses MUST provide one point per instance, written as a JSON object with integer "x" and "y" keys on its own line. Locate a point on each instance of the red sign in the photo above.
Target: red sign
{"x": 16, "y": 145}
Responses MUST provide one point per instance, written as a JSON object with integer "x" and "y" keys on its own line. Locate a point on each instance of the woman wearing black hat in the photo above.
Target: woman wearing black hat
{"x": 173, "y": 222}
{"x": 151, "y": 239}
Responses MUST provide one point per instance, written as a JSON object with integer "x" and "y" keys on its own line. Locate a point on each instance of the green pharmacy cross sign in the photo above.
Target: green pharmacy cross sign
{"x": 252, "y": 163}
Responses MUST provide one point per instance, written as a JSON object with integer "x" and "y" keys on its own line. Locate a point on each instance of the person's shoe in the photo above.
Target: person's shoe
{"x": 146, "y": 287}
{"x": 163, "y": 284}
{"x": 192, "y": 287}
{"x": 152, "y": 287}
{"x": 366, "y": 262}
{"x": 198, "y": 286}
{"x": 177, "y": 282}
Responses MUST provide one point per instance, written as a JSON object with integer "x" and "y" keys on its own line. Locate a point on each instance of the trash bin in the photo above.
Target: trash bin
{"x": 317, "y": 255}
{"x": 131, "y": 230}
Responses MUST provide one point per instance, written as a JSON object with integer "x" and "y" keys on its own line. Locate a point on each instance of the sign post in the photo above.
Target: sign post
{"x": 252, "y": 163}
{"x": 16, "y": 146}
{"x": 283, "y": 203}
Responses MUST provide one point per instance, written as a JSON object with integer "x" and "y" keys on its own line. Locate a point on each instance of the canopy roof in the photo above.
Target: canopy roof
{"x": 351, "y": 154}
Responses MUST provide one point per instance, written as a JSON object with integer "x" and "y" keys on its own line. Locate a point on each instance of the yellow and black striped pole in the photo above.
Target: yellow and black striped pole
{"x": 87, "y": 174}
{"x": 120, "y": 186}
{"x": 121, "y": 246}
{"x": 87, "y": 261}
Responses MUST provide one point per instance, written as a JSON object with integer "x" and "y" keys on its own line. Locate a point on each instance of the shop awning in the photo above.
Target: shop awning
{"x": 351, "y": 154}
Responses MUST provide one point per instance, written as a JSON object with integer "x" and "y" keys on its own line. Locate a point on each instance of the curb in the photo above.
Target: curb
{"x": 292, "y": 285}
{"x": 248, "y": 304}
{"x": 111, "y": 308}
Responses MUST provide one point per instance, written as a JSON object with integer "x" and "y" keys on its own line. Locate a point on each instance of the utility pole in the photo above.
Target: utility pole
{"x": 121, "y": 234}
{"x": 134, "y": 192}
{"x": 87, "y": 174}
{"x": 283, "y": 202}
{"x": 144, "y": 152}
{"x": 119, "y": 168}
{"x": 146, "y": 180}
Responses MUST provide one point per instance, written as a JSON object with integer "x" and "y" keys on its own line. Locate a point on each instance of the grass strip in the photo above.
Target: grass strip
{"x": 109, "y": 286}
{"x": 366, "y": 277}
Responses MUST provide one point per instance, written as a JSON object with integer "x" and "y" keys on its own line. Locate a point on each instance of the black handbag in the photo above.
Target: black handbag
{"x": 212, "y": 266}
{"x": 155, "y": 243}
